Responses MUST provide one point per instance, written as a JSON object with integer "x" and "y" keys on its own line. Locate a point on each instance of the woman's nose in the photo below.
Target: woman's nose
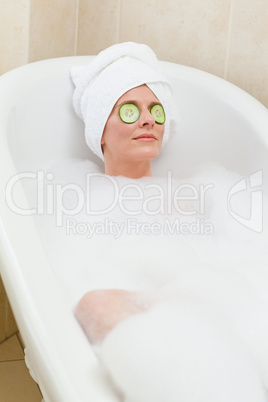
{"x": 146, "y": 118}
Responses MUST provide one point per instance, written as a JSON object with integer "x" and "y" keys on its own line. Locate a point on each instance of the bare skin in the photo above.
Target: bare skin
{"x": 99, "y": 311}
{"x": 126, "y": 150}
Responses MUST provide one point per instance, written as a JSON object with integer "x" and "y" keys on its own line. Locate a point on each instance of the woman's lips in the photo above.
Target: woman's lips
{"x": 145, "y": 137}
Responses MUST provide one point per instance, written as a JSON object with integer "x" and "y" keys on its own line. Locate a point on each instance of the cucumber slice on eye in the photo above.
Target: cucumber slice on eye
{"x": 158, "y": 113}
{"x": 129, "y": 113}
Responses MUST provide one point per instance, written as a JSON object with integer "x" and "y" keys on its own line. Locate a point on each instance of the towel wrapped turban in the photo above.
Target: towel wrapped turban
{"x": 110, "y": 74}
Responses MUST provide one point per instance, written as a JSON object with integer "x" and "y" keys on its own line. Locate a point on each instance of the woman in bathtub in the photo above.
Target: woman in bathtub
{"x": 129, "y": 114}
{"x": 128, "y": 149}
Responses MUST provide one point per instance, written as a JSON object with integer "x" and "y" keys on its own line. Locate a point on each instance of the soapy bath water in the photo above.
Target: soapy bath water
{"x": 205, "y": 340}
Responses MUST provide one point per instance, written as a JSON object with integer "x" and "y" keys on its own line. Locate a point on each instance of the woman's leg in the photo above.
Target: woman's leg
{"x": 179, "y": 346}
{"x": 99, "y": 311}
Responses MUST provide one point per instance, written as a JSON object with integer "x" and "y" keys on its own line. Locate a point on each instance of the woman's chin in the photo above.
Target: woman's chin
{"x": 148, "y": 152}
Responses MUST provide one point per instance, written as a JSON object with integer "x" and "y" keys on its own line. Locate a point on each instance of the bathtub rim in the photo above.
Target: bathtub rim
{"x": 47, "y": 355}
{"x": 230, "y": 92}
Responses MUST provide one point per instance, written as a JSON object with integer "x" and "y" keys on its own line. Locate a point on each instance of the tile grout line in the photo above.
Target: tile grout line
{"x": 20, "y": 345}
{"x": 119, "y": 21}
{"x": 76, "y": 28}
{"x": 8, "y": 337}
{"x": 20, "y": 341}
{"x": 28, "y": 32}
{"x": 11, "y": 361}
{"x": 228, "y": 40}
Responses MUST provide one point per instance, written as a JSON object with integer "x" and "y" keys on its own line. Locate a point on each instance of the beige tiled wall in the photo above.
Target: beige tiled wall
{"x": 52, "y": 28}
{"x": 32, "y": 30}
{"x": 228, "y": 38}
{"x": 194, "y": 33}
{"x": 14, "y": 26}
{"x": 98, "y": 25}
{"x": 248, "y": 49}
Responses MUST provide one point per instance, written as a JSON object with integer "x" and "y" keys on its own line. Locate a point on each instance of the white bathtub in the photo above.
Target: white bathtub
{"x": 219, "y": 122}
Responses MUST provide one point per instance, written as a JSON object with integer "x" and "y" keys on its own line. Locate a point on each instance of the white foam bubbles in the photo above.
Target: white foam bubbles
{"x": 180, "y": 352}
{"x": 178, "y": 240}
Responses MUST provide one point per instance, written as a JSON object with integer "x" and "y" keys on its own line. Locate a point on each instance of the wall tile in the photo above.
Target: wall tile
{"x": 16, "y": 384}
{"x": 11, "y": 350}
{"x": 192, "y": 33}
{"x": 97, "y": 25}
{"x": 52, "y": 30}
{"x": 248, "y": 56}
{"x": 14, "y": 22}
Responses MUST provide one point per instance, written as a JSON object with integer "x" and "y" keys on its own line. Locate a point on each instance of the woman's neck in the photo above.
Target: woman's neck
{"x": 134, "y": 170}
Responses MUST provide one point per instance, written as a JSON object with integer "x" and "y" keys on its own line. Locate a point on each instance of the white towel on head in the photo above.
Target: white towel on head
{"x": 112, "y": 73}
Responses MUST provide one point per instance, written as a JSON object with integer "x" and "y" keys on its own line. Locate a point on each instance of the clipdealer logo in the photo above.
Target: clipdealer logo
{"x": 131, "y": 199}
{"x": 50, "y": 198}
{"x": 252, "y": 185}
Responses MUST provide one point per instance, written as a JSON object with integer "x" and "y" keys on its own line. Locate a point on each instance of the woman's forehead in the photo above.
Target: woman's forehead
{"x": 141, "y": 92}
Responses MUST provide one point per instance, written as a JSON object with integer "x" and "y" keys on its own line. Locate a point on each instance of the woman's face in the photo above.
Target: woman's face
{"x": 141, "y": 140}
